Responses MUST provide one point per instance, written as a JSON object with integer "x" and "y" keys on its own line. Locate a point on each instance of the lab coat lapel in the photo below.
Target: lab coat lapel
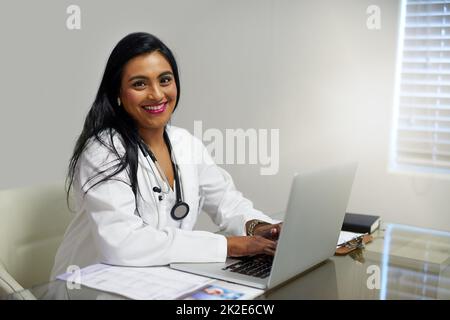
{"x": 146, "y": 184}
{"x": 183, "y": 155}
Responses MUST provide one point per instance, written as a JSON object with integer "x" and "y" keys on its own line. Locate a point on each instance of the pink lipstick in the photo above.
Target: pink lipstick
{"x": 155, "y": 109}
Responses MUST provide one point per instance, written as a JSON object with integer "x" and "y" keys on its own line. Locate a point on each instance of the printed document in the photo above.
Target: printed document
{"x": 141, "y": 283}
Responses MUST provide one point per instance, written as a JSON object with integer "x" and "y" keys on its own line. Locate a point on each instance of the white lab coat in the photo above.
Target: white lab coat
{"x": 107, "y": 229}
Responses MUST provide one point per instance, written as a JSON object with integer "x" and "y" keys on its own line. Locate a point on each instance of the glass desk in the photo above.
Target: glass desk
{"x": 400, "y": 263}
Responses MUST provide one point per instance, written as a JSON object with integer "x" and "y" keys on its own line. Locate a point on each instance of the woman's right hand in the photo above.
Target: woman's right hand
{"x": 246, "y": 246}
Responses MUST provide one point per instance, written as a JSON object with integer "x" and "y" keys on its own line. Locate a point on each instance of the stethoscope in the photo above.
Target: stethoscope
{"x": 180, "y": 209}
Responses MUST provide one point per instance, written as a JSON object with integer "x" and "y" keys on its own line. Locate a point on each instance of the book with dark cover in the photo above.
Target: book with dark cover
{"x": 360, "y": 223}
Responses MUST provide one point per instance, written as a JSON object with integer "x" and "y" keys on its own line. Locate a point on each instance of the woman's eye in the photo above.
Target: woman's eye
{"x": 165, "y": 80}
{"x": 139, "y": 84}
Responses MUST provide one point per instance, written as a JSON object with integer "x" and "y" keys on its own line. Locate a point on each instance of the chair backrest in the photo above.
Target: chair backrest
{"x": 32, "y": 224}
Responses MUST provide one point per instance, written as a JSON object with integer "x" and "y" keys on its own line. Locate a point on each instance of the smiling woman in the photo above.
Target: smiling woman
{"x": 148, "y": 89}
{"x": 149, "y": 95}
{"x": 135, "y": 204}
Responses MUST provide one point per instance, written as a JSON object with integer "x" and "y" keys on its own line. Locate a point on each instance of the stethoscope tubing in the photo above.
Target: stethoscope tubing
{"x": 181, "y": 209}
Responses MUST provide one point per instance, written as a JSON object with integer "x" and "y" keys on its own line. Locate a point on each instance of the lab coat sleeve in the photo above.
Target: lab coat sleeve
{"x": 226, "y": 206}
{"x": 121, "y": 236}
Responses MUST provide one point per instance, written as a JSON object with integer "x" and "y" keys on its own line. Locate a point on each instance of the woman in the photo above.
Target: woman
{"x": 139, "y": 184}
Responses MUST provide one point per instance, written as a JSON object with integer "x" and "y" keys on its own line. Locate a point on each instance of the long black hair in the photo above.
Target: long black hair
{"x": 106, "y": 116}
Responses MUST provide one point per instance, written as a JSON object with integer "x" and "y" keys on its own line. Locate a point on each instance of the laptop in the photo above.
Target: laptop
{"x": 314, "y": 216}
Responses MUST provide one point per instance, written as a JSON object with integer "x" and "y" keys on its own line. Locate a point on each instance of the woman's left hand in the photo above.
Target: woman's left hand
{"x": 268, "y": 231}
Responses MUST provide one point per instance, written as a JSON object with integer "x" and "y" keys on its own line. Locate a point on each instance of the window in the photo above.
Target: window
{"x": 421, "y": 135}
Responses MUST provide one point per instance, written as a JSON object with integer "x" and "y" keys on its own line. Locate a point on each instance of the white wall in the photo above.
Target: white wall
{"x": 310, "y": 68}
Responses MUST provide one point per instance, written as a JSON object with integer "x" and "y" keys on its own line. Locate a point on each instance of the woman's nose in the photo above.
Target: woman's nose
{"x": 155, "y": 93}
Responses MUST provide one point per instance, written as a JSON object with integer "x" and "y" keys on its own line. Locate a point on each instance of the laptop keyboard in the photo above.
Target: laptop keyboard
{"x": 256, "y": 266}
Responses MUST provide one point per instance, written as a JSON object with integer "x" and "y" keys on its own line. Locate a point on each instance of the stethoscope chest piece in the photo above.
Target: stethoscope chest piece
{"x": 180, "y": 210}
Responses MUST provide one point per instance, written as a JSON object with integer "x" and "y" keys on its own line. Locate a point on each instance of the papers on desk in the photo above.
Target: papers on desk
{"x": 149, "y": 283}
{"x": 157, "y": 283}
{"x": 222, "y": 290}
{"x": 346, "y": 236}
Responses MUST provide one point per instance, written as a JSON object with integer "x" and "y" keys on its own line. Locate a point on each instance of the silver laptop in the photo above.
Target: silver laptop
{"x": 310, "y": 232}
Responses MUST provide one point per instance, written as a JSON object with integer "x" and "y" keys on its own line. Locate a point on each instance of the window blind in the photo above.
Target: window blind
{"x": 422, "y": 139}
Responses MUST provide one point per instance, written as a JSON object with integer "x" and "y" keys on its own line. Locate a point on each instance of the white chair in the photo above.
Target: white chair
{"x": 32, "y": 224}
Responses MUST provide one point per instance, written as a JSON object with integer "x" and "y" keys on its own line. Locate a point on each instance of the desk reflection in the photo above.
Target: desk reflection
{"x": 415, "y": 263}
{"x": 317, "y": 283}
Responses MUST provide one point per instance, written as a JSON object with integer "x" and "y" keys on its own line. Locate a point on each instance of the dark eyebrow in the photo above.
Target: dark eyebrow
{"x": 137, "y": 77}
{"x": 165, "y": 73}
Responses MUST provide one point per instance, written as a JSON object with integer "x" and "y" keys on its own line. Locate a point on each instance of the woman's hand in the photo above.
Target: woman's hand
{"x": 269, "y": 231}
{"x": 245, "y": 246}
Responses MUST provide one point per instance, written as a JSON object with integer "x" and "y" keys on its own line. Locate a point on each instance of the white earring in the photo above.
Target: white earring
{"x": 118, "y": 101}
